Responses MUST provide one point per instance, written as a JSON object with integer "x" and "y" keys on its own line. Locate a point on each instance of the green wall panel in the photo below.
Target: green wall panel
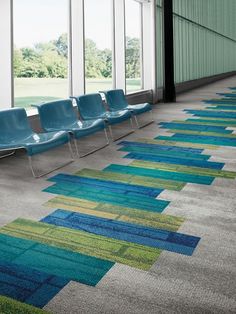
{"x": 204, "y": 38}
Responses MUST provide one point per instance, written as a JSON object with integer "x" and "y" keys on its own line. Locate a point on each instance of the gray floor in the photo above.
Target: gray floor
{"x": 203, "y": 283}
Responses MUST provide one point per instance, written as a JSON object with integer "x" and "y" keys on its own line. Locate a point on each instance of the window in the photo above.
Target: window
{"x": 133, "y": 51}
{"x": 98, "y": 45}
{"x": 40, "y": 51}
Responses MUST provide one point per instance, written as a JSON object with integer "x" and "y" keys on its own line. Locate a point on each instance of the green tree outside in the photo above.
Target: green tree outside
{"x": 49, "y": 60}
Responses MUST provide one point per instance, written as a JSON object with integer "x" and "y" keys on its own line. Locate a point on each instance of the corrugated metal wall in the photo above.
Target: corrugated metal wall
{"x": 204, "y": 38}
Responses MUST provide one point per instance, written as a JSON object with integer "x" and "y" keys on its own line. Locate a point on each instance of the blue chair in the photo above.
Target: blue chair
{"x": 116, "y": 101}
{"x": 16, "y": 133}
{"x": 60, "y": 115}
{"x": 91, "y": 107}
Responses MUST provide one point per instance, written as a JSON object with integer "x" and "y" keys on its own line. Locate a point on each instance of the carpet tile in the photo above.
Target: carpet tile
{"x": 178, "y": 161}
{"x": 154, "y": 144}
{"x": 208, "y": 122}
{"x": 162, "y": 239}
{"x": 84, "y": 184}
{"x": 185, "y": 169}
{"x": 28, "y": 285}
{"x": 213, "y": 114}
{"x": 221, "y": 101}
{"x": 132, "y": 215}
{"x": 11, "y": 306}
{"x": 131, "y": 179}
{"x": 169, "y": 141}
{"x": 161, "y": 173}
{"x": 214, "y": 140}
{"x": 132, "y": 254}
{"x": 137, "y": 201}
{"x": 185, "y": 126}
{"x": 215, "y": 134}
{"x": 52, "y": 260}
{"x": 156, "y": 152}
{"x": 224, "y": 107}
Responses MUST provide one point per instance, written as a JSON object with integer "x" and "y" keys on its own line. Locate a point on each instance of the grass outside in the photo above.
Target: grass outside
{"x": 31, "y": 91}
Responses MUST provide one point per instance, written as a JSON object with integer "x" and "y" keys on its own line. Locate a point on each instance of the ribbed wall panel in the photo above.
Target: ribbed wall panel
{"x": 204, "y": 38}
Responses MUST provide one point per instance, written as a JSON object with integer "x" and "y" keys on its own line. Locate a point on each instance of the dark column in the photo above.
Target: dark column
{"x": 169, "y": 94}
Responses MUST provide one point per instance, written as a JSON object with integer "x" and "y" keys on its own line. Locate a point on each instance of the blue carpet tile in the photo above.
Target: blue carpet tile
{"x": 212, "y": 114}
{"x": 155, "y": 151}
{"x": 99, "y": 195}
{"x": 167, "y": 240}
{"x": 201, "y": 139}
{"x": 52, "y": 260}
{"x": 195, "y": 127}
{"x": 232, "y": 108}
{"x": 28, "y": 285}
{"x": 162, "y": 147}
{"x": 178, "y": 161}
{"x": 161, "y": 174}
{"x": 110, "y": 186}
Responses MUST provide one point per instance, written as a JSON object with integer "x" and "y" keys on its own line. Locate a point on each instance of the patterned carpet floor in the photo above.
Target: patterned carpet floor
{"x": 115, "y": 215}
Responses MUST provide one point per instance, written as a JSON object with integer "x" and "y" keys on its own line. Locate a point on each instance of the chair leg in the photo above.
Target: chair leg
{"x": 7, "y": 155}
{"x": 123, "y": 135}
{"x": 59, "y": 167}
{"x": 143, "y": 125}
{"x": 94, "y": 150}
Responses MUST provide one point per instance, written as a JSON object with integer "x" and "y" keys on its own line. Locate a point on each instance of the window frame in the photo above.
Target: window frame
{"x": 76, "y": 47}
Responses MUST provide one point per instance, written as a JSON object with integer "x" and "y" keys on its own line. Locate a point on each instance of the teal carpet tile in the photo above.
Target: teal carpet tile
{"x": 52, "y": 260}
{"x": 89, "y": 184}
{"x": 213, "y": 140}
{"x": 99, "y": 195}
{"x": 28, "y": 285}
{"x": 173, "y": 160}
{"x": 156, "y": 152}
{"x": 194, "y": 127}
{"x": 162, "y": 174}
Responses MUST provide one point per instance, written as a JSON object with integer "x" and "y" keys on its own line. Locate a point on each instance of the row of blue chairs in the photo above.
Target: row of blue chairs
{"x": 60, "y": 124}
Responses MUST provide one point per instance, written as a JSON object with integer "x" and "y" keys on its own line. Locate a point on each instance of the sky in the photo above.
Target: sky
{"x": 44, "y": 20}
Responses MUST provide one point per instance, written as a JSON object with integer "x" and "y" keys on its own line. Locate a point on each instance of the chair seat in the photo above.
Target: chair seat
{"x": 37, "y": 142}
{"x": 139, "y": 108}
{"x": 113, "y": 117}
{"x": 82, "y": 128}
{"x": 41, "y": 142}
{"x": 88, "y": 127}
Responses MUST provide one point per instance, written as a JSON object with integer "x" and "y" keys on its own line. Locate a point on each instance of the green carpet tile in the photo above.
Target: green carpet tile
{"x": 141, "y": 217}
{"x": 10, "y": 306}
{"x": 231, "y": 136}
{"x": 176, "y": 143}
{"x": 185, "y": 169}
{"x": 124, "y": 252}
{"x": 131, "y": 179}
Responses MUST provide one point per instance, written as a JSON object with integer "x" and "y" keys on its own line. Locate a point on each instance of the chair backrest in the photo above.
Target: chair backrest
{"x": 57, "y": 114}
{"x": 14, "y": 125}
{"x": 90, "y": 106}
{"x": 116, "y": 99}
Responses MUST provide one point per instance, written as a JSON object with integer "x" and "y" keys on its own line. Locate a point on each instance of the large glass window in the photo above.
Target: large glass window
{"x": 40, "y": 51}
{"x": 98, "y": 45}
{"x": 133, "y": 51}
